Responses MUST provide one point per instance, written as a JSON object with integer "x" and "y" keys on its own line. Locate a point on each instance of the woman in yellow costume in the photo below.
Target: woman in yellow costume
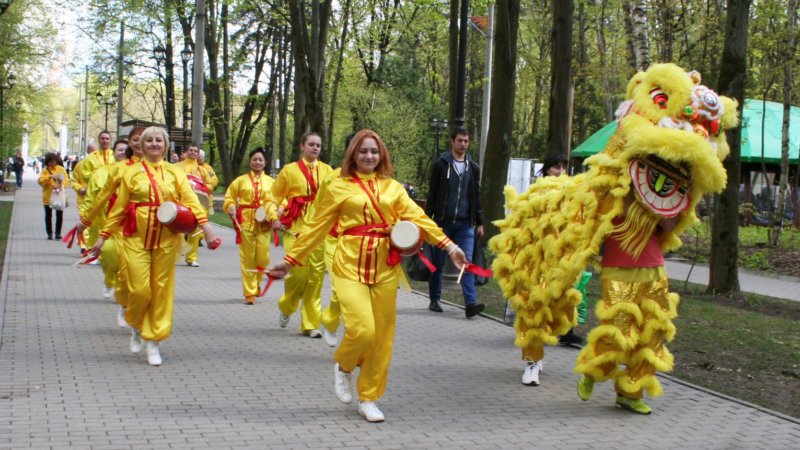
{"x": 244, "y": 196}
{"x": 53, "y": 177}
{"x": 297, "y": 184}
{"x": 100, "y": 177}
{"x": 638, "y": 195}
{"x": 150, "y": 247}
{"x": 366, "y": 202}
{"x": 97, "y": 206}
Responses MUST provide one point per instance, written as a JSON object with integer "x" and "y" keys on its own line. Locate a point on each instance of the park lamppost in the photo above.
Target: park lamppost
{"x": 186, "y": 56}
{"x": 437, "y": 126}
{"x": 111, "y": 101}
{"x": 5, "y": 85}
{"x": 160, "y": 54}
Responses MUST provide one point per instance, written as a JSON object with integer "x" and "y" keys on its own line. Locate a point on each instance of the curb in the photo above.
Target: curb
{"x": 6, "y": 268}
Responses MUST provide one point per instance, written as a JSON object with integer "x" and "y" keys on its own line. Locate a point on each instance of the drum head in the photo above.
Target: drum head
{"x": 261, "y": 214}
{"x": 167, "y": 212}
{"x": 405, "y": 235}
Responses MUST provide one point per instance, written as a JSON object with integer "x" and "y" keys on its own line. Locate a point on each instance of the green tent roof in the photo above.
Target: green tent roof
{"x": 751, "y": 133}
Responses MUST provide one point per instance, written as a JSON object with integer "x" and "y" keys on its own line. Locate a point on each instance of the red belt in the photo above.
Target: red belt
{"x": 294, "y": 208}
{"x": 379, "y": 231}
{"x": 129, "y": 226}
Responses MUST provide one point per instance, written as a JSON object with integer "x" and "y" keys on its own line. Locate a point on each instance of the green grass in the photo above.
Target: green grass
{"x": 6, "y": 208}
{"x": 747, "y": 347}
{"x": 221, "y": 218}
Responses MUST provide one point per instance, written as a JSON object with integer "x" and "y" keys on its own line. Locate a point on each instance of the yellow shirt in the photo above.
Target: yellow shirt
{"x": 191, "y": 167}
{"x": 241, "y": 193}
{"x": 292, "y": 183}
{"x": 78, "y": 181}
{"x": 93, "y": 206}
{"x": 136, "y": 187}
{"x": 47, "y": 180}
{"x": 362, "y": 258}
{"x": 212, "y": 176}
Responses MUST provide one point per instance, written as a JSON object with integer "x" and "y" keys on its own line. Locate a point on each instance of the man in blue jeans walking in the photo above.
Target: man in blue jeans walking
{"x": 454, "y": 203}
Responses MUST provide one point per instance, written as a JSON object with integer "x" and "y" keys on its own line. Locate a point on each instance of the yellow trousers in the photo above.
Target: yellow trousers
{"x": 110, "y": 262}
{"x": 330, "y": 315}
{"x": 533, "y": 352}
{"x": 194, "y": 243}
{"x": 151, "y": 287}
{"x": 253, "y": 253}
{"x": 370, "y": 313}
{"x": 304, "y": 283}
{"x": 635, "y": 321}
{"x": 121, "y": 293}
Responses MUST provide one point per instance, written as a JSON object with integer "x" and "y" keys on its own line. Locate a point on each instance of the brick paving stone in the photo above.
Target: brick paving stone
{"x": 233, "y": 379}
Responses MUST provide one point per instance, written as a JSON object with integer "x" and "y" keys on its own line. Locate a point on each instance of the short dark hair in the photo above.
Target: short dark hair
{"x": 552, "y": 160}
{"x": 128, "y": 149}
{"x": 51, "y": 157}
{"x": 102, "y": 133}
{"x": 458, "y": 131}
{"x": 257, "y": 150}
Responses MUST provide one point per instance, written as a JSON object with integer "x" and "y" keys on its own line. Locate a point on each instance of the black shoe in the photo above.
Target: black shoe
{"x": 49, "y": 237}
{"x": 571, "y": 339}
{"x": 474, "y": 310}
{"x": 58, "y": 237}
{"x": 435, "y": 306}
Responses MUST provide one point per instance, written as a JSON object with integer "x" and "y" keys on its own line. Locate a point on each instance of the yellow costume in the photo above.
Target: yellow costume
{"x": 365, "y": 282}
{"x": 150, "y": 247}
{"x": 191, "y": 167}
{"x": 86, "y": 168}
{"x": 213, "y": 182}
{"x": 48, "y": 183}
{"x": 108, "y": 256}
{"x": 665, "y": 155}
{"x": 246, "y": 194}
{"x": 95, "y": 209}
{"x": 303, "y": 283}
{"x": 79, "y": 182}
{"x": 330, "y": 315}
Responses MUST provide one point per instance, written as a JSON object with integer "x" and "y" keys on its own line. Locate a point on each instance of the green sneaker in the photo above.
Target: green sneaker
{"x": 633, "y": 405}
{"x": 585, "y": 387}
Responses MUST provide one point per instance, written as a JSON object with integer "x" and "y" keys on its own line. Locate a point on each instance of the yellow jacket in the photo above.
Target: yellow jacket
{"x": 137, "y": 200}
{"x": 91, "y": 208}
{"x": 78, "y": 181}
{"x": 47, "y": 180}
{"x": 241, "y": 194}
{"x": 361, "y": 257}
{"x": 191, "y": 167}
{"x": 291, "y": 183}
{"x": 212, "y": 176}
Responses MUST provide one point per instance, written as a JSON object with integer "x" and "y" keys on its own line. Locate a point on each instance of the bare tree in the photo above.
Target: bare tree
{"x": 560, "y": 114}
{"x": 724, "y": 275}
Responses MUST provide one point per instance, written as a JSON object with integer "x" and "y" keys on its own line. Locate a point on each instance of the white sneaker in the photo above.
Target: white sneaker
{"x": 108, "y": 292}
{"x": 136, "y": 341}
{"x": 370, "y": 411}
{"x": 330, "y": 338}
{"x": 121, "y": 318}
{"x": 314, "y": 334}
{"x": 95, "y": 262}
{"x": 531, "y": 375}
{"x": 283, "y": 320}
{"x": 192, "y": 264}
{"x": 343, "y": 385}
{"x": 153, "y": 356}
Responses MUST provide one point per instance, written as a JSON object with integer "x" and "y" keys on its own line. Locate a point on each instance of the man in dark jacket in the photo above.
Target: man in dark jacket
{"x": 453, "y": 202}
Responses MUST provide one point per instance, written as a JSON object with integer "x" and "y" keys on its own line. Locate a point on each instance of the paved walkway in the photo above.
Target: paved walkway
{"x": 233, "y": 379}
{"x": 774, "y": 286}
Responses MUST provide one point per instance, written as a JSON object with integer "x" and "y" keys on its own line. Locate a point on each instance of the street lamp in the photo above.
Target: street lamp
{"x": 4, "y": 4}
{"x": 186, "y": 56}
{"x": 437, "y": 126}
{"x": 111, "y": 101}
{"x": 6, "y": 84}
{"x": 160, "y": 55}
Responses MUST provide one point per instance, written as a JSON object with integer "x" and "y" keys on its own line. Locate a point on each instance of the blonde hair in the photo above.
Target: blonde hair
{"x": 152, "y": 132}
{"x": 384, "y": 168}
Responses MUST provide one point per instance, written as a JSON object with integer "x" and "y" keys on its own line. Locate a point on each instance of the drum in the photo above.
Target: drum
{"x": 201, "y": 190}
{"x": 177, "y": 218}
{"x": 406, "y": 237}
{"x": 261, "y": 214}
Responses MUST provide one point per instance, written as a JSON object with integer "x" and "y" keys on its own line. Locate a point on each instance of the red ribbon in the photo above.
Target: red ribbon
{"x": 236, "y": 220}
{"x": 276, "y": 241}
{"x": 111, "y": 200}
{"x": 426, "y": 261}
{"x": 294, "y": 208}
{"x": 86, "y": 253}
{"x": 270, "y": 280}
{"x": 69, "y": 238}
{"x": 477, "y": 270}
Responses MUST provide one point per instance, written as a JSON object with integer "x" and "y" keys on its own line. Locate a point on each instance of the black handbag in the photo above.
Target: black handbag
{"x": 415, "y": 268}
{"x": 479, "y": 259}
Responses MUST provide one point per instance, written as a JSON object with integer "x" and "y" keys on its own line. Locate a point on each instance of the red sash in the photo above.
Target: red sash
{"x": 296, "y": 204}
{"x": 129, "y": 227}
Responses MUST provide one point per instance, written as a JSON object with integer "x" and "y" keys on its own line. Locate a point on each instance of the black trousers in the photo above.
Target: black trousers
{"x": 48, "y": 221}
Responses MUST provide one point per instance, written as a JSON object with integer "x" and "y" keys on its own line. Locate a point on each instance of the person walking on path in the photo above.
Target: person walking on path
{"x": 297, "y": 184}
{"x": 53, "y": 178}
{"x": 243, "y": 199}
{"x": 454, "y": 203}
{"x": 19, "y": 167}
{"x": 366, "y": 202}
{"x": 151, "y": 248}
{"x": 200, "y": 181}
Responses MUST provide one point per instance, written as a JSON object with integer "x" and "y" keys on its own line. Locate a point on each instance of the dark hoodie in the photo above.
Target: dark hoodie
{"x": 452, "y": 197}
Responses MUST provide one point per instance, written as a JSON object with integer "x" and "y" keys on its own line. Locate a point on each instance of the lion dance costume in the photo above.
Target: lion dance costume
{"x": 631, "y": 205}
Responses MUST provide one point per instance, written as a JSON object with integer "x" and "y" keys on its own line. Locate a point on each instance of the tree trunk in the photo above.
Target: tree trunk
{"x": 284, "y": 103}
{"x": 641, "y": 48}
{"x": 499, "y": 139}
{"x": 601, "y": 51}
{"x": 788, "y": 55}
{"x": 583, "y": 64}
{"x": 452, "y": 61}
{"x": 338, "y": 77}
{"x": 724, "y": 276}
{"x": 213, "y": 90}
{"x": 558, "y": 132}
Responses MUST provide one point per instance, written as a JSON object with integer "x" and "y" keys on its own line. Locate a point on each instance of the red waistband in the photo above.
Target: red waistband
{"x": 377, "y": 230}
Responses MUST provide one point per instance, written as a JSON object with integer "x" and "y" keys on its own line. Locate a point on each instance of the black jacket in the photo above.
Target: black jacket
{"x": 438, "y": 190}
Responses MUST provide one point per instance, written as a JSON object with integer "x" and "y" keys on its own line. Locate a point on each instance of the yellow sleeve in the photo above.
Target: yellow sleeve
{"x": 407, "y": 209}
{"x": 321, "y": 219}
{"x": 213, "y": 181}
{"x": 44, "y": 179}
{"x": 88, "y": 213}
{"x": 117, "y": 213}
{"x": 231, "y": 194}
{"x": 65, "y": 184}
{"x": 99, "y": 179}
{"x": 77, "y": 177}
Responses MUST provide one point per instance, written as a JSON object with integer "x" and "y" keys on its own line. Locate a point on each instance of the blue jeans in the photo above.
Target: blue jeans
{"x": 463, "y": 234}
